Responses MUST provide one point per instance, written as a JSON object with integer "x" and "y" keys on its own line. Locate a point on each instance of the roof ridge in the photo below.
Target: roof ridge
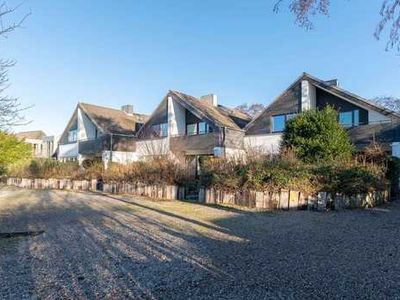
{"x": 116, "y": 109}
{"x": 358, "y": 97}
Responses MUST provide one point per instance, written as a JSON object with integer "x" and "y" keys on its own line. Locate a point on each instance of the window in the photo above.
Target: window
{"x": 278, "y": 123}
{"x": 160, "y": 130}
{"x": 203, "y": 128}
{"x": 349, "y": 118}
{"x": 356, "y": 117}
{"x": 164, "y": 129}
{"x": 198, "y": 128}
{"x": 72, "y": 136}
{"x": 191, "y": 129}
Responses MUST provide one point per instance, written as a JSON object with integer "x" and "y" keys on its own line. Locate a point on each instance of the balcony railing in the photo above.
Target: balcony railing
{"x": 68, "y": 150}
{"x": 103, "y": 143}
{"x": 195, "y": 144}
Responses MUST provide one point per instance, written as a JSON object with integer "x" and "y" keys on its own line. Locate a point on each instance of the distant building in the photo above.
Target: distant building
{"x": 43, "y": 146}
{"x": 100, "y": 133}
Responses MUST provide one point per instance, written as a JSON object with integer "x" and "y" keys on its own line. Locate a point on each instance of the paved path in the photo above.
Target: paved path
{"x": 97, "y": 246}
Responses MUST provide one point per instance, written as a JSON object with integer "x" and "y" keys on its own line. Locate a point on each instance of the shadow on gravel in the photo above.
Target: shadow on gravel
{"x": 7, "y": 235}
{"x": 97, "y": 246}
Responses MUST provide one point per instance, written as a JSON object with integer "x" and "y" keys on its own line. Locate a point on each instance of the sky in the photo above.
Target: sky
{"x": 113, "y": 53}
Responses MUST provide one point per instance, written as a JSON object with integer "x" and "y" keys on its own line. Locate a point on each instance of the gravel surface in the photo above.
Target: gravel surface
{"x": 96, "y": 246}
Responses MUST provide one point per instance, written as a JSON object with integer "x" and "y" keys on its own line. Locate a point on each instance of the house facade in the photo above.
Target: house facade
{"x": 183, "y": 126}
{"x": 100, "y": 133}
{"x": 365, "y": 121}
{"x": 43, "y": 146}
{"x": 186, "y": 126}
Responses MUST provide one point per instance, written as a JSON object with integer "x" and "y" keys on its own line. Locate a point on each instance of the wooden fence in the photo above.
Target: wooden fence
{"x": 153, "y": 191}
{"x": 289, "y": 199}
{"x": 277, "y": 200}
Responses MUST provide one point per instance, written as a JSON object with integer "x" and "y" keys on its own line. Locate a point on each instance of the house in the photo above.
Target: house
{"x": 100, "y": 133}
{"x": 43, "y": 146}
{"x": 365, "y": 120}
{"x": 186, "y": 126}
{"x": 192, "y": 128}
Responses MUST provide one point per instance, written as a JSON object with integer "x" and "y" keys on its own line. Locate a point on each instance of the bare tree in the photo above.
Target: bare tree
{"x": 389, "y": 102}
{"x": 304, "y": 10}
{"x": 390, "y": 13}
{"x": 252, "y": 109}
{"x": 10, "y": 108}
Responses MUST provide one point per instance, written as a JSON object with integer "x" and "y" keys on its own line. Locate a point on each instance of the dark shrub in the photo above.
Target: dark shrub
{"x": 317, "y": 135}
{"x": 393, "y": 174}
{"x": 348, "y": 178}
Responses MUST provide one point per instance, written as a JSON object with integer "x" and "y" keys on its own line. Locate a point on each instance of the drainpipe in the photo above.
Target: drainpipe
{"x": 223, "y": 140}
{"x": 111, "y": 146}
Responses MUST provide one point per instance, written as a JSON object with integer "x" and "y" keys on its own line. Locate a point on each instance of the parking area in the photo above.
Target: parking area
{"x": 83, "y": 245}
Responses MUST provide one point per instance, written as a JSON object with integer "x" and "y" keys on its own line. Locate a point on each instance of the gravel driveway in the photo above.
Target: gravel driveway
{"x": 96, "y": 246}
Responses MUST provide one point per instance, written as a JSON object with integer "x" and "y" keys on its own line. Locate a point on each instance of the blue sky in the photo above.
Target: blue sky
{"x": 118, "y": 52}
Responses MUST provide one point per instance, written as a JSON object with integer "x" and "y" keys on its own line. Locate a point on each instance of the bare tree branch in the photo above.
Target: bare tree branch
{"x": 389, "y": 102}
{"x": 390, "y": 13}
{"x": 10, "y": 108}
{"x": 303, "y": 10}
{"x": 252, "y": 109}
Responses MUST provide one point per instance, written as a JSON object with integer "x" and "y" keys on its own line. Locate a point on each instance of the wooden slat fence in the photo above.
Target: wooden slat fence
{"x": 266, "y": 200}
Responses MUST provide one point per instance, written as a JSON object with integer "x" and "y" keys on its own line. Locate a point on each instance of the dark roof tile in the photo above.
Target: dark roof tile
{"x": 112, "y": 120}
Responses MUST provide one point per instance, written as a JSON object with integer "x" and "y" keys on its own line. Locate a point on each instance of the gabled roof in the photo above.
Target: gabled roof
{"x": 35, "y": 135}
{"x": 219, "y": 115}
{"x": 333, "y": 89}
{"x": 344, "y": 94}
{"x": 110, "y": 120}
{"x": 383, "y": 133}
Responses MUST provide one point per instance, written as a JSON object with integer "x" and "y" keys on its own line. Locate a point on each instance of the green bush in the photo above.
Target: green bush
{"x": 45, "y": 168}
{"x": 317, "y": 135}
{"x": 12, "y": 150}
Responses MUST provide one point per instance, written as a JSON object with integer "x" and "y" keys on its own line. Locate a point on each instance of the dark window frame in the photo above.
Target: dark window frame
{"x": 157, "y": 130}
{"x": 208, "y": 128}
{"x": 353, "y": 118}
{"x": 291, "y": 115}
{"x": 196, "y": 131}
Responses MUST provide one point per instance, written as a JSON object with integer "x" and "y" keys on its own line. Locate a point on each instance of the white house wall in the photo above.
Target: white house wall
{"x": 86, "y": 128}
{"x": 396, "y": 149}
{"x": 176, "y": 118}
{"x": 375, "y": 117}
{"x": 267, "y": 144}
{"x": 68, "y": 150}
{"x": 120, "y": 157}
{"x": 308, "y": 95}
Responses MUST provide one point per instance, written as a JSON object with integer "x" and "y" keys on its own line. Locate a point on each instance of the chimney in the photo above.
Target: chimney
{"x": 128, "y": 108}
{"x": 332, "y": 82}
{"x": 211, "y": 99}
